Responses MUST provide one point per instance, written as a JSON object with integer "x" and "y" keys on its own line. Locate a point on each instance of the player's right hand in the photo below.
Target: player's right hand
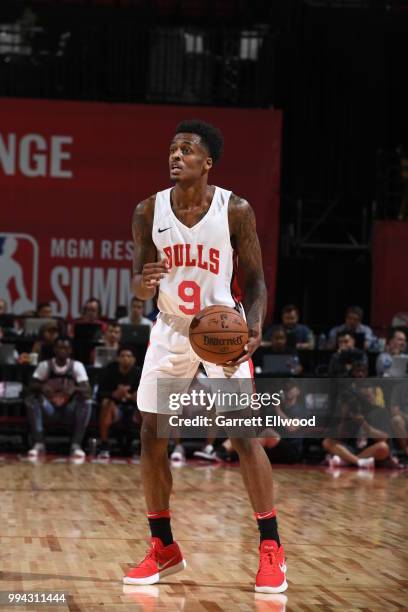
{"x": 152, "y": 273}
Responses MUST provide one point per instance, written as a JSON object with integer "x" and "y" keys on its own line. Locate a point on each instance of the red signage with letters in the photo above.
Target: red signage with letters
{"x": 71, "y": 174}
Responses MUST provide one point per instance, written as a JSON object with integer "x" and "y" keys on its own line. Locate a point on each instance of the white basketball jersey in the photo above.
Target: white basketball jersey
{"x": 200, "y": 257}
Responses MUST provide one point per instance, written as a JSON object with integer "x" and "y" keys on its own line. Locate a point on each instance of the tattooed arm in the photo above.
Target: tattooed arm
{"x": 147, "y": 271}
{"x": 245, "y": 240}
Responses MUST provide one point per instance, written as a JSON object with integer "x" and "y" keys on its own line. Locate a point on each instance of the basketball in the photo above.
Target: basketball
{"x": 218, "y": 334}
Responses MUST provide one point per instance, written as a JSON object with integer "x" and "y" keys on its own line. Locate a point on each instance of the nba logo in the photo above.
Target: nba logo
{"x": 18, "y": 272}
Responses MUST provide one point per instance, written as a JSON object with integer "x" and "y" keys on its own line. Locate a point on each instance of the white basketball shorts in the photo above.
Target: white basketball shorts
{"x": 169, "y": 355}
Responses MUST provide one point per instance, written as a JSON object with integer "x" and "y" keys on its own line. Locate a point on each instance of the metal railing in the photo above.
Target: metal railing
{"x": 128, "y": 62}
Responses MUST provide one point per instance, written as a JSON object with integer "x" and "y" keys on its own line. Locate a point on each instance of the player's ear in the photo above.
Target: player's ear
{"x": 208, "y": 163}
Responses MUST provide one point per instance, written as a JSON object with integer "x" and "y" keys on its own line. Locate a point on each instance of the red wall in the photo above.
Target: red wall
{"x": 390, "y": 271}
{"x": 71, "y": 174}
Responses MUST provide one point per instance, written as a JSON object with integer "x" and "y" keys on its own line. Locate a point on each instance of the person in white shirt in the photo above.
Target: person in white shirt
{"x": 136, "y": 314}
{"x": 396, "y": 345}
{"x": 59, "y": 391}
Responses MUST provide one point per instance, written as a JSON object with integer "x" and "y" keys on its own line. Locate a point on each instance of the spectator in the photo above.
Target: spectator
{"x": 111, "y": 337}
{"x": 44, "y": 345}
{"x": 92, "y": 313}
{"x": 117, "y": 394}
{"x": 298, "y": 336}
{"x": 278, "y": 340}
{"x": 284, "y": 444}
{"x": 360, "y": 416}
{"x": 278, "y": 344}
{"x": 3, "y": 307}
{"x": 136, "y": 314}
{"x": 396, "y": 345}
{"x": 44, "y": 310}
{"x": 352, "y": 324}
{"x": 59, "y": 392}
{"x": 342, "y": 361}
{"x": 399, "y": 415}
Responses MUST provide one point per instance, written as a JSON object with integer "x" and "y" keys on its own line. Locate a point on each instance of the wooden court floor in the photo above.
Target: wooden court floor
{"x": 76, "y": 528}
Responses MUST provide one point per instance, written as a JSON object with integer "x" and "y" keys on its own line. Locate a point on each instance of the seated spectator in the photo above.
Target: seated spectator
{"x": 352, "y": 324}
{"x": 399, "y": 415}
{"x": 44, "y": 345}
{"x": 44, "y": 310}
{"x": 278, "y": 345}
{"x": 278, "y": 340}
{"x": 298, "y": 336}
{"x": 136, "y": 314}
{"x": 117, "y": 394}
{"x": 360, "y": 419}
{"x": 91, "y": 314}
{"x": 396, "y": 345}
{"x": 112, "y": 335}
{"x": 342, "y": 361}
{"x": 59, "y": 392}
{"x": 284, "y": 444}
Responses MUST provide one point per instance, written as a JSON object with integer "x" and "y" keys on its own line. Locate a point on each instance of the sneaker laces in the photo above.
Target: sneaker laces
{"x": 151, "y": 553}
{"x": 269, "y": 557}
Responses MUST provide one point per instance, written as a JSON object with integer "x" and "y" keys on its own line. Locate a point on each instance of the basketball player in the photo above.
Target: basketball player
{"x": 185, "y": 239}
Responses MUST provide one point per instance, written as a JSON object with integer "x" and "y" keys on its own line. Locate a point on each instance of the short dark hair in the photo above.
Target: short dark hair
{"x": 345, "y": 333}
{"x": 394, "y": 330}
{"x": 93, "y": 299}
{"x": 355, "y": 310}
{"x": 124, "y": 347}
{"x": 278, "y": 328}
{"x": 289, "y": 308}
{"x": 113, "y": 323}
{"x": 211, "y": 136}
{"x": 62, "y": 338}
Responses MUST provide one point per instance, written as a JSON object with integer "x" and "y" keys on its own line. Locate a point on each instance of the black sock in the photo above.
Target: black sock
{"x": 268, "y": 529}
{"x": 160, "y": 528}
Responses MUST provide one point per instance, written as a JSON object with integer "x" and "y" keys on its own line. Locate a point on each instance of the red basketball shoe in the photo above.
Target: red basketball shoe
{"x": 160, "y": 561}
{"x": 272, "y": 567}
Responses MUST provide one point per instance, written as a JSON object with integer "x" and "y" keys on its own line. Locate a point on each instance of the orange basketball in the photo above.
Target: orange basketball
{"x": 218, "y": 334}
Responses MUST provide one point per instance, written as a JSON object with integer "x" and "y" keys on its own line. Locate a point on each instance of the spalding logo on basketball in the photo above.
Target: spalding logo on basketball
{"x": 218, "y": 334}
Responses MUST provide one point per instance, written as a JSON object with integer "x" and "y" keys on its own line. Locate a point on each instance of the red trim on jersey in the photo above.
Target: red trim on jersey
{"x": 235, "y": 288}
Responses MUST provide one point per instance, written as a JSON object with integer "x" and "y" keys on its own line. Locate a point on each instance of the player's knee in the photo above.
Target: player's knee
{"x": 382, "y": 450}
{"x": 151, "y": 444}
{"x": 397, "y": 421}
{"x": 244, "y": 446}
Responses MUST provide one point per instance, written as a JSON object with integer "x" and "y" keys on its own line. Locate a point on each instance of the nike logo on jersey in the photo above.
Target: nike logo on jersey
{"x": 164, "y": 230}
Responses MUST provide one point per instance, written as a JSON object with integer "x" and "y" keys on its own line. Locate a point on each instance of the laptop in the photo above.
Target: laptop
{"x": 104, "y": 355}
{"x": 7, "y": 354}
{"x": 277, "y": 364}
{"x": 90, "y": 332}
{"x": 135, "y": 334}
{"x": 6, "y": 321}
{"x": 32, "y": 326}
{"x": 399, "y": 367}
